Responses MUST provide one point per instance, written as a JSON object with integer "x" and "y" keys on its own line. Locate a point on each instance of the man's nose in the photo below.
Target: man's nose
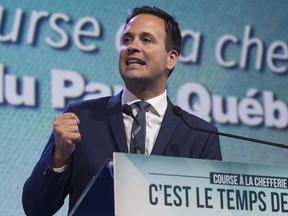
{"x": 134, "y": 46}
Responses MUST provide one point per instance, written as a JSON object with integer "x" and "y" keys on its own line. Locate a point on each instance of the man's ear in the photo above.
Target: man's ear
{"x": 172, "y": 60}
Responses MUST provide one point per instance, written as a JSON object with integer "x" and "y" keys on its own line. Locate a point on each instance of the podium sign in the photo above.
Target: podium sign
{"x": 157, "y": 185}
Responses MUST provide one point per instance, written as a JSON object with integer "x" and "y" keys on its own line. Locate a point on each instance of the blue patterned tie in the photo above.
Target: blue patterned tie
{"x": 137, "y": 143}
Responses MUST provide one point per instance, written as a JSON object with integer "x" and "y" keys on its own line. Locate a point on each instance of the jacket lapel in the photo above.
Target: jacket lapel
{"x": 168, "y": 126}
{"x": 115, "y": 119}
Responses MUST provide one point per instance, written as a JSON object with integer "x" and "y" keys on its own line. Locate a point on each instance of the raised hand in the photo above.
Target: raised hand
{"x": 66, "y": 133}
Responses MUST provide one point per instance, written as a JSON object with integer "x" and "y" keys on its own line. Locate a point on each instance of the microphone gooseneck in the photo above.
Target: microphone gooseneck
{"x": 127, "y": 109}
{"x": 178, "y": 112}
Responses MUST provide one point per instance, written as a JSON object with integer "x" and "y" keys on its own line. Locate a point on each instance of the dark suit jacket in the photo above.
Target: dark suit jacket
{"x": 102, "y": 133}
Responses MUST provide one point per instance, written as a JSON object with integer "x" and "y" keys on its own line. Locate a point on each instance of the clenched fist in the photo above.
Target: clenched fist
{"x": 66, "y": 133}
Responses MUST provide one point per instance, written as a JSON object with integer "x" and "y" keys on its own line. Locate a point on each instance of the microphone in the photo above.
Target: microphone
{"x": 127, "y": 109}
{"x": 178, "y": 112}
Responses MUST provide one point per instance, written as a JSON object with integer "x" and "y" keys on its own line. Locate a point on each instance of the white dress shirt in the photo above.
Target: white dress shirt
{"x": 154, "y": 117}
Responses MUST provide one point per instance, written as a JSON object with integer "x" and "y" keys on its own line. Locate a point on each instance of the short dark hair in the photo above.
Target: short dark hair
{"x": 173, "y": 35}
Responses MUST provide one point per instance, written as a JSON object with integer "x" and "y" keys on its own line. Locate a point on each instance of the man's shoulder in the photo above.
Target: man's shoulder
{"x": 91, "y": 102}
{"x": 99, "y": 104}
{"x": 197, "y": 121}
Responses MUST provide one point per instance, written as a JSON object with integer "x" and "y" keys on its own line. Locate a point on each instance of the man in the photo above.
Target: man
{"x": 88, "y": 132}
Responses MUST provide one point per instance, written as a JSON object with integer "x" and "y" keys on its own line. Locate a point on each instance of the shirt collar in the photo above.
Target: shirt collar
{"x": 158, "y": 104}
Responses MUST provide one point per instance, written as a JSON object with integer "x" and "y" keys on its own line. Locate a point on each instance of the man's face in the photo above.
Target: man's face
{"x": 143, "y": 57}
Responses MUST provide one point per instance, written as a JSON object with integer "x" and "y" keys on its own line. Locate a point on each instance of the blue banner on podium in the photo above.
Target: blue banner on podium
{"x": 157, "y": 185}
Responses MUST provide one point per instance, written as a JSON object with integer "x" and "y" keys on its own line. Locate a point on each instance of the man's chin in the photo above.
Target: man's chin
{"x": 133, "y": 75}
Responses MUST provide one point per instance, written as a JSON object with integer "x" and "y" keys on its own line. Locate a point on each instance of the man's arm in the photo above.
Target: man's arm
{"x": 212, "y": 148}
{"x": 45, "y": 190}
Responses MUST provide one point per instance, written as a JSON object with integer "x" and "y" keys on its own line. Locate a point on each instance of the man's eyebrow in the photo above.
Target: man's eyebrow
{"x": 127, "y": 34}
{"x": 147, "y": 34}
{"x": 142, "y": 34}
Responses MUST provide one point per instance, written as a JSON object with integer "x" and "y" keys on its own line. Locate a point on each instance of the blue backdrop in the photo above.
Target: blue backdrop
{"x": 232, "y": 72}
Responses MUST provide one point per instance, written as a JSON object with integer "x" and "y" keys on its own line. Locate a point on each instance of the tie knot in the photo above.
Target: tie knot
{"x": 142, "y": 105}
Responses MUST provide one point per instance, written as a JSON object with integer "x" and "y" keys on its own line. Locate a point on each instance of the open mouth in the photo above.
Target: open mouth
{"x": 130, "y": 61}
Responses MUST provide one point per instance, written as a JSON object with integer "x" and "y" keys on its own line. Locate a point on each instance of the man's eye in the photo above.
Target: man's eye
{"x": 126, "y": 40}
{"x": 147, "y": 40}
